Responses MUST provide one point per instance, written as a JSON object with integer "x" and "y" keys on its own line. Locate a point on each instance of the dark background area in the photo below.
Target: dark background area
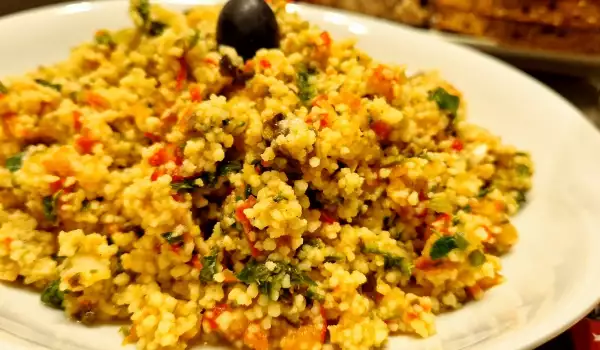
{"x": 563, "y": 342}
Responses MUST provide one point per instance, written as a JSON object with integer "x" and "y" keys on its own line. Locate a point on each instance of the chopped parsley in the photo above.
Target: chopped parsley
{"x": 248, "y": 191}
{"x": 15, "y": 162}
{"x": 49, "y": 206}
{"x": 268, "y": 280}
{"x": 444, "y": 245}
{"x": 103, "y": 37}
{"x": 476, "y": 258}
{"x": 172, "y": 240}
{"x": 52, "y": 296}
{"x": 229, "y": 167}
{"x": 523, "y": 170}
{"x": 156, "y": 28}
{"x": 445, "y": 101}
{"x": 186, "y": 185}
{"x": 484, "y": 191}
{"x": 305, "y": 90}
{"x": 3, "y": 89}
{"x": 209, "y": 267}
{"x": 143, "y": 9}
{"x": 390, "y": 261}
{"x": 209, "y": 179}
{"x": 521, "y": 198}
{"x": 278, "y": 198}
{"x": 467, "y": 208}
{"x": 313, "y": 294}
{"x": 48, "y": 84}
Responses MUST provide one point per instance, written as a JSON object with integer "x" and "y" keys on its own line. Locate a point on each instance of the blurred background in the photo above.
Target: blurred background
{"x": 555, "y": 41}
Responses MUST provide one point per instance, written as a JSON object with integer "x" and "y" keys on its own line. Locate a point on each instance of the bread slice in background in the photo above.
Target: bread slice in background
{"x": 515, "y": 33}
{"x": 584, "y": 14}
{"x": 412, "y": 12}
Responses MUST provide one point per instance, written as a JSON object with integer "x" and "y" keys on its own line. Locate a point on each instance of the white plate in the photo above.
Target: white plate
{"x": 553, "y": 273}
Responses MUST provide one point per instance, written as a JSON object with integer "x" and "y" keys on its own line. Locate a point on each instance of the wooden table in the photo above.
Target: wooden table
{"x": 583, "y": 92}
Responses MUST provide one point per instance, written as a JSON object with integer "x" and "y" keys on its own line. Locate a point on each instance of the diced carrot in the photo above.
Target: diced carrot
{"x": 247, "y": 225}
{"x": 324, "y": 327}
{"x": 157, "y": 173}
{"x": 249, "y": 66}
{"x": 475, "y": 291}
{"x": 196, "y": 93}
{"x": 95, "y": 100}
{"x": 152, "y": 137}
{"x": 424, "y": 263}
{"x": 160, "y": 157}
{"x": 499, "y": 205}
{"x": 326, "y": 38}
{"x": 319, "y": 100}
{"x": 324, "y": 122}
{"x": 178, "y": 197}
{"x": 210, "y": 60}
{"x": 229, "y": 277}
{"x": 256, "y": 338}
{"x": 57, "y": 185}
{"x": 326, "y": 218}
{"x": 196, "y": 263}
{"x": 211, "y": 315}
{"x": 181, "y": 74}
{"x": 457, "y": 145}
{"x": 265, "y": 63}
{"x": 381, "y": 128}
{"x": 85, "y": 144}
{"x": 77, "y": 121}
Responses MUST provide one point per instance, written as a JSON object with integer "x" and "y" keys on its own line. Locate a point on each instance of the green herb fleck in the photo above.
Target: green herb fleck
{"x": 467, "y": 208}
{"x": 477, "y": 258}
{"x": 209, "y": 267}
{"x": 172, "y": 240}
{"x": 3, "y": 89}
{"x": 268, "y": 280}
{"x": 521, "y": 198}
{"x": 445, "y": 101}
{"x": 278, "y": 198}
{"x": 305, "y": 90}
{"x": 484, "y": 191}
{"x": 444, "y": 245}
{"x": 156, "y": 28}
{"x": 85, "y": 204}
{"x": 248, "y": 191}
{"x": 390, "y": 261}
{"x": 334, "y": 258}
{"x": 104, "y": 38}
{"x": 143, "y": 9}
{"x": 15, "y": 162}
{"x": 48, "y": 84}
{"x": 313, "y": 294}
{"x": 49, "y": 206}
{"x": 194, "y": 39}
{"x": 229, "y": 167}
{"x": 225, "y": 122}
{"x": 314, "y": 242}
{"x": 186, "y": 185}
{"x": 52, "y": 296}
{"x": 209, "y": 179}
{"x": 523, "y": 170}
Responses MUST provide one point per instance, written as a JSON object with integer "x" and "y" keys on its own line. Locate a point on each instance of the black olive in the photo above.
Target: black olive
{"x": 247, "y": 26}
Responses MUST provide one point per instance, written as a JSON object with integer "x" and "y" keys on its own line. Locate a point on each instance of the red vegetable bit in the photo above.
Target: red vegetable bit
{"x": 229, "y": 277}
{"x": 152, "y": 137}
{"x": 181, "y": 74}
{"x": 57, "y": 185}
{"x": 196, "y": 263}
{"x": 326, "y": 38}
{"x": 324, "y": 329}
{"x": 243, "y": 219}
{"x": 196, "y": 93}
{"x": 95, "y": 100}
{"x": 77, "y": 121}
{"x": 178, "y": 154}
{"x": 457, "y": 145}
{"x": 326, "y": 218}
{"x": 265, "y": 64}
{"x": 160, "y": 157}
{"x": 249, "y": 66}
{"x": 324, "y": 121}
{"x": 178, "y": 197}
{"x": 443, "y": 218}
{"x": 422, "y": 196}
{"x": 424, "y": 263}
{"x": 212, "y": 315}
{"x": 318, "y": 101}
{"x": 7, "y": 242}
{"x": 157, "y": 173}
{"x": 210, "y": 60}
{"x": 381, "y": 128}
{"x": 85, "y": 144}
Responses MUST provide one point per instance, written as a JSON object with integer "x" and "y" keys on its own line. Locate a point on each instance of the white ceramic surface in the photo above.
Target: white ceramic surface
{"x": 553, "y": 273}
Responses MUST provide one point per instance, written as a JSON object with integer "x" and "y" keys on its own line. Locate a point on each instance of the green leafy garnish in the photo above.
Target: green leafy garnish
{"x": 445, "y": 101}
{"x": 48, "y": 84}
{"x": 467, "y": 208}
{"x": 52, "y": 296}
{"x": 143, "y": 9}
{"x": 233, "y": 166}
{"x": 209, "y": 179}
{"x": 3, "y": 89}
{"x": 268, "y": 280}
{"x": 390, "y": 261}
{"x": 313, "y": 294}
{"x": 521, "y": 198}
{"x": 156, "y": 28}
{"x": 314, "y": 242}
{"x": 186, "y": 185}
{"x": 248, "y": 191}
{"x": 444, "y": 245}
{"x": 484, "y": 191}
{"x": 193, "y": 42}
{"x": 334, "y": 258}
{"x": 476, "y": 258}
{"x": 171, "y": 239}
{"x": 209, "y": 267}
{"x": 278, "y": 198}
{"x": 523, "y": 170}
{"x": 104, "y": 38}
{"x": 305, "y": 90}
{"x": 15, "y": 162}
{"x": 49, "y": 204}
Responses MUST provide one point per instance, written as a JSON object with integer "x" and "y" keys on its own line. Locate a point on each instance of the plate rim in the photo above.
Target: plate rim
{"x": 523, "y": 341}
